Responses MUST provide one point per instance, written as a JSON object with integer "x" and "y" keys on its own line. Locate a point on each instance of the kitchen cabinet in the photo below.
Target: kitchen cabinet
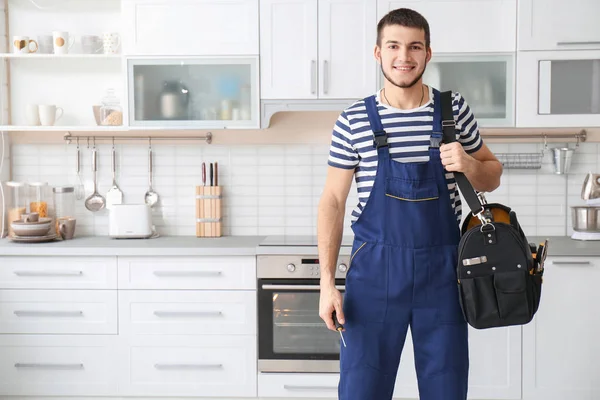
{"x": 485, "y": 81}
{"x": 313, "y": 49}
{"x": 193, "y": 92}
{"x": 558, "y": 89}
{"x": 190, "y": 27}
{"x": 560, "y": 346}
{"x": 464, "y": 26}
{"x": 558, "y": 24}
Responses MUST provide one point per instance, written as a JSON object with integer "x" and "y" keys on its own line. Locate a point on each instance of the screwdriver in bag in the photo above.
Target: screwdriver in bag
{"x": 338, "y": 327}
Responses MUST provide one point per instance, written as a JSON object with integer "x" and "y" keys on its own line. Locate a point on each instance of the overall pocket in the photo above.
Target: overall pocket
{"x": 411, "y": 190}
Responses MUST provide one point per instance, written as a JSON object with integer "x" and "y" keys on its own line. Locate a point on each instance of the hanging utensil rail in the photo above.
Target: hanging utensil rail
{"x": 580, "y": 136}
{"x": 68, "y": 137}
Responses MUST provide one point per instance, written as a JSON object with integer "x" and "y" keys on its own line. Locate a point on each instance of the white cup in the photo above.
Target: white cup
{"x": 32, "y": 114}
{"x": 49, "y": 114}
{"x": 22, "y": 45}
{"x": 62, "y": 42}
{"x": 111, "y": 42}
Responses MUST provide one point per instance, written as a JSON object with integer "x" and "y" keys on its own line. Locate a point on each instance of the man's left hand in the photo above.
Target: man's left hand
{"x": 455, "y": 159}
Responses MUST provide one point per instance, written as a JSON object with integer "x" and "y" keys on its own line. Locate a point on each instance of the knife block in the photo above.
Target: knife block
{"x": 208, "y": 211}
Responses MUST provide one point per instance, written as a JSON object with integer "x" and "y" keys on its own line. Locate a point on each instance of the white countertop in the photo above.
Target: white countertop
{"x": 227, "y": 245}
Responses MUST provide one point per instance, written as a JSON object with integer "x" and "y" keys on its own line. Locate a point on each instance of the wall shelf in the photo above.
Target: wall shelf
{"x": 60, "y": 56}
{"x": 77, "y": 128}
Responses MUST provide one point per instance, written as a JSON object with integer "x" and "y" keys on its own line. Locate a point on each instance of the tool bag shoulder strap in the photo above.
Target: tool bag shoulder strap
{"x": 499, "y": 272}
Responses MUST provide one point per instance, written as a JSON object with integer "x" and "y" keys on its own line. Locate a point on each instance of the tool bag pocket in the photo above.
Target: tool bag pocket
{"x": 498, "y": 281}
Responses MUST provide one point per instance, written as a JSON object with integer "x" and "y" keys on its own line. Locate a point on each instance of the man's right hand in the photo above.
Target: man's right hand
{"x": 331, "y": 299}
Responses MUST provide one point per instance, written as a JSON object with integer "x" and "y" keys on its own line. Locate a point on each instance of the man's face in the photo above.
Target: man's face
{"x": 402, "y": 55}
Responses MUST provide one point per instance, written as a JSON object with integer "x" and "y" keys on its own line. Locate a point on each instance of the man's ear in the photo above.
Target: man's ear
{"x": 377, "y": 54}
{"x": 428, "y": 54}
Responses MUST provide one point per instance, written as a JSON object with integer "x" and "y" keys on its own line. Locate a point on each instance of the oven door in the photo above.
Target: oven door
{"x": 291, "y": 335}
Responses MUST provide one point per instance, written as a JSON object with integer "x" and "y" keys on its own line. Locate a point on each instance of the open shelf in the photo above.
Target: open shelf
{"x": 80, "y": 128}
{"x": 57, "y": 56}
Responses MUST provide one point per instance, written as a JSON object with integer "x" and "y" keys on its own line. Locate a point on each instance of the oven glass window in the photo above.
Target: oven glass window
{"x": 297, "y": 327}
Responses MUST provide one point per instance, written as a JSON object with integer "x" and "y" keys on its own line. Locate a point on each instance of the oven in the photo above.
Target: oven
{"x": 291, "y": 335}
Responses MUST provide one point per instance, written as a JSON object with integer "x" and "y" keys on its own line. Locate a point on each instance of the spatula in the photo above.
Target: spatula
{"x": 114, "y": 195}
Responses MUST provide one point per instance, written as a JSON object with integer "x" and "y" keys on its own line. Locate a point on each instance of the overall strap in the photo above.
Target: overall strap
{"x": 448, "y": 126}
{"x": 379, "y": 135}
{"x": 436, "y": 134}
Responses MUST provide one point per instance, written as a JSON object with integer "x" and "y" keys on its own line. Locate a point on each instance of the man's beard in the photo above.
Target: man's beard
{"x": 413, "y": 83}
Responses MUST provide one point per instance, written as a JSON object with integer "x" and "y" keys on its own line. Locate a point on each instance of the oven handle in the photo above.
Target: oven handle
{"x": 298, "y": 287}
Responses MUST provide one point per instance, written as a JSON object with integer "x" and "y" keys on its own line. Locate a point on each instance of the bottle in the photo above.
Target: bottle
{"x": 64, "y": 203}
{"x": 111, "y": 113}
{"x": 16, "y": 203}
{"x": 39, "y": 199}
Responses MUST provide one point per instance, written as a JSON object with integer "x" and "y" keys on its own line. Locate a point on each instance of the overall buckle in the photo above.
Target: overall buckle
{"x": 380, "y": 140}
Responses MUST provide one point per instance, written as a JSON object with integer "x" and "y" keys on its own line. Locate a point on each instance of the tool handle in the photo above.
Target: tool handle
{"x": 337, "y": 324}
{"x": 203, "y": 174}
{"x": 211, "y": 174}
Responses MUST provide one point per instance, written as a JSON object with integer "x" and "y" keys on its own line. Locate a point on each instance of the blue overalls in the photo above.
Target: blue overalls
{"x": 402, "y": 273}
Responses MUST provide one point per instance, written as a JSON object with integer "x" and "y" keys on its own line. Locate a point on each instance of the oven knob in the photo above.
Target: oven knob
{"x": 291, "y": 267}
{"x": 342, "y": 267}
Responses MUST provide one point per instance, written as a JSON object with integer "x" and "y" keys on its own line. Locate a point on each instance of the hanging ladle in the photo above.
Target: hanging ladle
{"x": 95, "y": 202}
{"x": 151, "y": 196}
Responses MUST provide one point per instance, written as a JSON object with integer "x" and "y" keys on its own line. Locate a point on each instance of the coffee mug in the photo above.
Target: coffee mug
{"x": 32, "y": 114}
{"x": 46, "y": 43}
{"x": 31, "y": 217}
{"x": 111, "y": 42}
{"x": 62, "y": 42}
{"x": 49, "y": 114}
{"x": 22, "y": 45}
{"x": 91, "y": 44}
{"x": 66, "y": 227}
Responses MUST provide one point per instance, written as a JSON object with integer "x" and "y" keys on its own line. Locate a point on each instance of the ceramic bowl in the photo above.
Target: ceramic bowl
{"x": 40, "y": 228}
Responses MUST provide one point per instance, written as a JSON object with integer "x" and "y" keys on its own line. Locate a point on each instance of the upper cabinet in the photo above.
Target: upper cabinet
{"x": 313, "y": 49}
{"x": 190, "y": 27}
{"x": 464, "y": 26}
{"x": 558, "y": 88}
{"x": 559, "y": 24}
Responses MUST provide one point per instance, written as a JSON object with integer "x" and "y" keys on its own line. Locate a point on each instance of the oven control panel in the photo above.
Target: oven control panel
{"x": 278, "y": 266}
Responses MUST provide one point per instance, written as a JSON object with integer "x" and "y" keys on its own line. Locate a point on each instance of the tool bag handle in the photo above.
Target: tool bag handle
{"x": 449, "y": 136}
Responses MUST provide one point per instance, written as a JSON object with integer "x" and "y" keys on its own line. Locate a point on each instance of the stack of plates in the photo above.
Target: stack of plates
{"x": 32, "y": 232}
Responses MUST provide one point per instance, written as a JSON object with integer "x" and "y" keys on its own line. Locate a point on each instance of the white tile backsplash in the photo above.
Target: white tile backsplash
{"x": 270, "y": 190}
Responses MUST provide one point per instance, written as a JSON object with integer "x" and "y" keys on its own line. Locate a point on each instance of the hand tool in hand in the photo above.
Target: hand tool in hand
{"x": 338, "y": 327}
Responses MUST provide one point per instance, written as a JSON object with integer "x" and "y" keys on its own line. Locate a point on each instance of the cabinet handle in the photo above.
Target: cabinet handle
{"x": 325, "y": 77}
{"x": 26, "y": 313}
{"x": 298, "y": 287}
{"x": 187, "y": 273}
{"x": 313, "y": 76}
{"x": 188, "y": 366}
{"x": 303, "y": 388}
{"x": 571, "y": 263}
{"x": 48, "y": 273}
{"x": 575, "y": 43}
{"x": 49, "y": 366}
{"x": 167, "y": 314}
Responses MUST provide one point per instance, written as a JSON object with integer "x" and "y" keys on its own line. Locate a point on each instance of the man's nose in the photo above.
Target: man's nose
{"x": 403, "y": 53}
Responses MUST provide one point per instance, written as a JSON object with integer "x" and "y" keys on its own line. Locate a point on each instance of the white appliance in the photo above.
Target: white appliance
{"x": 130, "y": 221}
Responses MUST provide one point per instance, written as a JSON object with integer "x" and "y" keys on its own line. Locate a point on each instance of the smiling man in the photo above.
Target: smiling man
{"x": 406, "y": 224}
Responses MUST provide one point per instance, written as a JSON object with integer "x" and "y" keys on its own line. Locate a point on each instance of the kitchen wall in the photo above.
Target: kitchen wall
{"x": 275, "y": 189}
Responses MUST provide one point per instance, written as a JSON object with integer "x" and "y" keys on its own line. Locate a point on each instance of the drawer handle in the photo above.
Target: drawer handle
{"x": 571, "y": 263}
{"x": 188, "y": 366}
{"x": 297, "y": 287}
{"x": 22, "y": 313}
{"x": 302, "y": 388}
{"x": 167, "y": 314}
{"x": 575, "y": 43}
{"x": 187, "y": 273}
{"x": 49, "y": 366}
{"x": 48, "y": 273}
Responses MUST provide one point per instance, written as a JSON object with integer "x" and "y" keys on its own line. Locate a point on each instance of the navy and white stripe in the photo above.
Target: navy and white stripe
{"x": 408, "y": 138}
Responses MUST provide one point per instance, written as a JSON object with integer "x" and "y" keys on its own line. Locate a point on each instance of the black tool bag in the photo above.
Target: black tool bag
{"x": 499, "y": 272}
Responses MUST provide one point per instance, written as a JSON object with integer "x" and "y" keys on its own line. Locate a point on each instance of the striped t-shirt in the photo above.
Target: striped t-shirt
{"x": 408, "y": 134}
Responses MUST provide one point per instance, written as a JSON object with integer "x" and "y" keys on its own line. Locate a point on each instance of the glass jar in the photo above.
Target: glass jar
{"x": 64, "y": 203}
{"x": 111, "y": 112}
{"x": 16, "y": 203}
{"x": 39, "y": 198}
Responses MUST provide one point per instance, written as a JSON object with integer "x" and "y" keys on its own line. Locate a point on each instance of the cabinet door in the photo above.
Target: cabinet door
{"x": 560, "y": 346}
{"x": 485, "y": 81}
{"x": 288, "y": 49}
{"x": 190, "y": 27}
{"x": 464, "y": 26}
{"x": 347, "y": 35}
{"x": 559, "y": 24}
{"x": 558, "y": 89}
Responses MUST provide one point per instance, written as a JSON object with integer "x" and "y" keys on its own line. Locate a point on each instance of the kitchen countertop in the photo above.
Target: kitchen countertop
{"x": 229, "y": 245}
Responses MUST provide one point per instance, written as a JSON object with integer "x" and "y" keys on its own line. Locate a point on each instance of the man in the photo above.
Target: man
{"x": 406, "y": 225}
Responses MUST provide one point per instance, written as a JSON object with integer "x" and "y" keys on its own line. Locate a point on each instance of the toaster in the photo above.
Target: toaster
{"x": 130, "y": 221}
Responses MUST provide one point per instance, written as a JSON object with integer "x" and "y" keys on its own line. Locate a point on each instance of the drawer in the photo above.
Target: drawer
{"x": 58, "y": 365}
{"x": 237, "y": 272}
{"x": 58, "y": 311}
{"x": 187, "y": 312}
{"x": 192, "y": 365}
{"x": 298, "y": 385}
{"x": 51, "y": 272}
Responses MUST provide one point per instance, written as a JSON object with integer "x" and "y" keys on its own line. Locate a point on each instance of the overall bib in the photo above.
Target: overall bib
{"x": 402, "y": 272}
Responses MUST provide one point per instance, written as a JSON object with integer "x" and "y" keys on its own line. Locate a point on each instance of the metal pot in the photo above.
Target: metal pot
{"x": 585, "y": 218}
